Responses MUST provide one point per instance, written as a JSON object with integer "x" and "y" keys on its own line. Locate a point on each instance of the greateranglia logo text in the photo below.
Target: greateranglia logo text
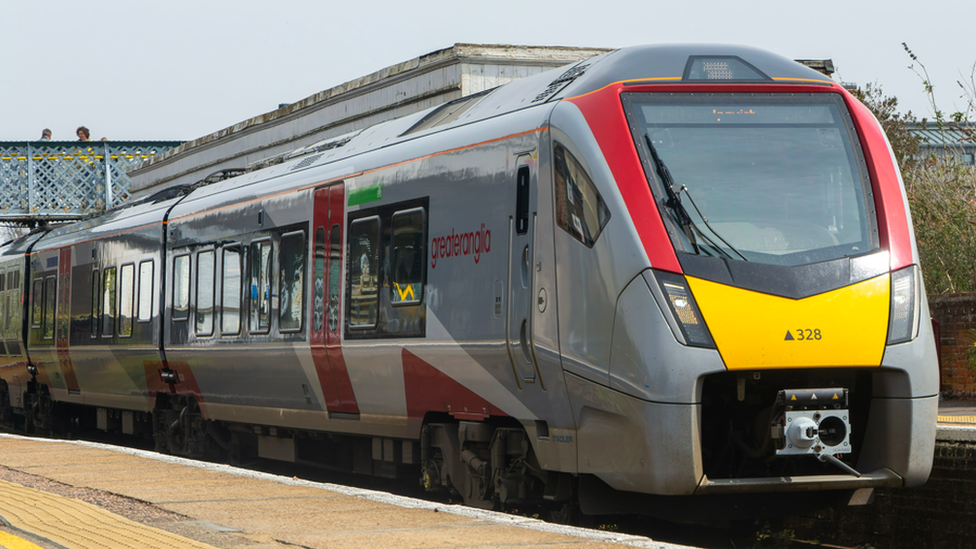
{"x": 458, "y": 244}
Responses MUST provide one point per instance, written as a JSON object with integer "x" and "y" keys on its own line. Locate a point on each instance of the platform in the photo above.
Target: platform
{"x": 82, "y": 495}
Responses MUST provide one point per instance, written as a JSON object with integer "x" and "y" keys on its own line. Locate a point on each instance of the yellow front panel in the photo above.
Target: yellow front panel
{"x": 845, "y": 327}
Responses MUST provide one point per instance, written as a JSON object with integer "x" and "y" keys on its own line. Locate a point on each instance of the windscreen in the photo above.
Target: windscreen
{"x": 775, "y": 179}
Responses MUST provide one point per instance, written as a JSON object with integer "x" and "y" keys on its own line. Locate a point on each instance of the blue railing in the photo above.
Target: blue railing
{"x": 65, "y": 180}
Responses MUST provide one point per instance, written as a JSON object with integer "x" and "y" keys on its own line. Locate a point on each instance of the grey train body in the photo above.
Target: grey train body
{"x": 512, "y": 361}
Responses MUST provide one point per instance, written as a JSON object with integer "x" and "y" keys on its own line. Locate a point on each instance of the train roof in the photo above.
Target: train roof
{"x": 688, "y": 64}
{"x": 639, "y": 64}
{"x": 650, "y": 64}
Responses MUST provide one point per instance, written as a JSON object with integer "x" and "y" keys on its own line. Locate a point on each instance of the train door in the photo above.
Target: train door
{"x": 63, "y": 316}
{"x": 326, "y": 301}
{"x": 521, "y": 271}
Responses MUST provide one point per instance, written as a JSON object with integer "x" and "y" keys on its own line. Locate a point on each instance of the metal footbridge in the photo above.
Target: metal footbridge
{"x": 50, "y": 181}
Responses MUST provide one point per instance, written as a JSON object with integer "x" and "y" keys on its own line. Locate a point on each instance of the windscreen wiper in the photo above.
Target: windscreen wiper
{"x": 674, "y": 201}
{"x": 688, "y": 227}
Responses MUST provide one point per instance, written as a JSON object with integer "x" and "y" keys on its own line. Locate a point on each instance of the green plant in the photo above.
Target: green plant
{"x": 774, "y": 538}
{"x": 942, "y": 196}
{"x": 904, "y": 142}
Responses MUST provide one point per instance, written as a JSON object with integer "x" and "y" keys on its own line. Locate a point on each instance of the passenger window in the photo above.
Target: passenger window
{"x": 580, "y": 209}
{"x": 108, "y": 303}
{"x": 5, "y": 301}
{"x": 145, "y": 291}
{"x": 407, "y": 287}
{"x": 181, "y": 287}
{"x": 335, "y": 262}
{"x": 364, "y": 259}
{"x": 36, "y": 310}
{"x": 50, "y": 297}
{"x": 318, "y": 301}
{"x": 230, "y": 299}
{"x": 205, "y": 294}
{"x": 291, "y": 282}
{"x": 260, "y": 271}
{"x": 126, "y": 289}
{"x": 95, "y": 300}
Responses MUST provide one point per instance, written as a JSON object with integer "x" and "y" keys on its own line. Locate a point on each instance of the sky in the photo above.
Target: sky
{"x": 178, "y": 69}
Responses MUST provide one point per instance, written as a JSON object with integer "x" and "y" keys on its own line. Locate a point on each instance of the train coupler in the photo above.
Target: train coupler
{"x": 814, "y": 422}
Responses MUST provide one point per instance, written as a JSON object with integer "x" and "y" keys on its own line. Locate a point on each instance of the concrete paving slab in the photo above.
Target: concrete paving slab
{"x": 253, "y": 510}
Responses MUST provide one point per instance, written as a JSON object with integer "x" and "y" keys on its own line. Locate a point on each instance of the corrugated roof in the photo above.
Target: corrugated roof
{"x": 952, "y": 134}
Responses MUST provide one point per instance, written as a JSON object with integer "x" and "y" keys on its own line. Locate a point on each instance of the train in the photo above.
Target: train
{"x": 664, "y": 279}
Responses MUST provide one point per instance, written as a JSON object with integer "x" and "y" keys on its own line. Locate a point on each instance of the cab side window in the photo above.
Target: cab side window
{"x": 580, "y": 210}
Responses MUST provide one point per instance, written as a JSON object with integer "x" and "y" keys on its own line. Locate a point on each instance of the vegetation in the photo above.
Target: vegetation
{"x": 941, "y": 189}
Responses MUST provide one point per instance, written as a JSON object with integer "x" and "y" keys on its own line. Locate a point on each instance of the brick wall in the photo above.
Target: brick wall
{"x": 941, "y": 514}
{"x": 956, "y": 314}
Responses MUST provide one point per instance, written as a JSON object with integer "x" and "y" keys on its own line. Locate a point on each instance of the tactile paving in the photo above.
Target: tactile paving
{"x": 10, "y": 541}
{"x": 957, "y": 419}
{"x": 75, "y": 524}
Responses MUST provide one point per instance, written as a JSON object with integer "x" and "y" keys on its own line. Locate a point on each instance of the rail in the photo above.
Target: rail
{"x": 66, "y": 180}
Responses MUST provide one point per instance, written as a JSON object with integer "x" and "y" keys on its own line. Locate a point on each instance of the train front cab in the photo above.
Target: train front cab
{"x": 783, "y": 273}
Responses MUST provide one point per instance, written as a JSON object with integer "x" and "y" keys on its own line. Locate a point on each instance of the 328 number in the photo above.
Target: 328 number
{"x": 806, "y": 334}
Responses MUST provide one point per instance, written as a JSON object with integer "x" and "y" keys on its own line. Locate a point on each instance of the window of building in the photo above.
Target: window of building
{"x": 205, "y": 294}
{"x": 50, "y": 298}
{"x": 230, "y": 298}
{"x": 145, "y": 291}
{"x": 96, "y": 295}
{"x": 291, "y": 282}
{"x": 126, "y": 291}
{"x": 364, "y": 260}
{"x": 407, "y": 284}
{"x": 260, "y": 273}
{"x": 181, "y": 287}
{"x": 108, "y": 302}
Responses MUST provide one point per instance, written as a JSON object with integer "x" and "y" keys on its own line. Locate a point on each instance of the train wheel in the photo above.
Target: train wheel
{"x": 180, "y": 429}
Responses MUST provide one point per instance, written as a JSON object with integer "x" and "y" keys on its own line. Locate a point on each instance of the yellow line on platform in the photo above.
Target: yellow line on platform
{"x": 10, "y": 541}
{"x": 75, "y": 524}
{"x": 957, "y": 419}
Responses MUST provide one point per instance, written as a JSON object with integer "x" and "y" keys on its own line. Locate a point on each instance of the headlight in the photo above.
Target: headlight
{"x": 684, "y": 310}
{"x": 903, "y": 314}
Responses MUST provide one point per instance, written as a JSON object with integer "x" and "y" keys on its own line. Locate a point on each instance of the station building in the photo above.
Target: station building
{"x": 399, "y": 90}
